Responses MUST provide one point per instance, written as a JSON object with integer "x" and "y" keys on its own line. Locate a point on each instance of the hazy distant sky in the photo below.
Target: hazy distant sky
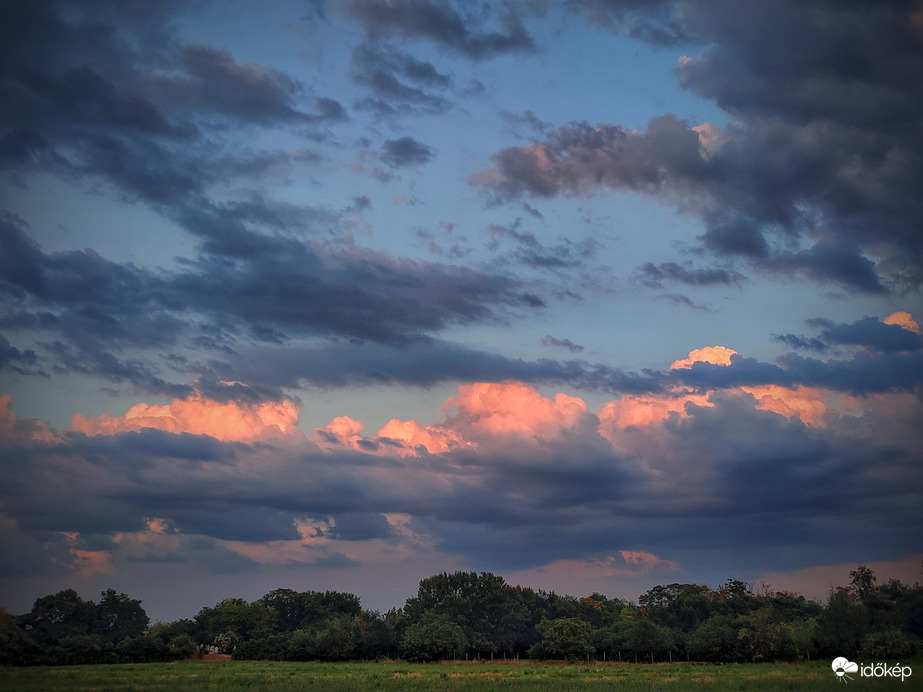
{"x": 593, "y": 294}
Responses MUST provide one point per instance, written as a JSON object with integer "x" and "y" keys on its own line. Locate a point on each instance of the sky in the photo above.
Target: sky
{"x": 592, "y": 294}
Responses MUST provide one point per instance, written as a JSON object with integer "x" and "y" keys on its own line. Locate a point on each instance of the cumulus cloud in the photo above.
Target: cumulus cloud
{"x": 199, "y": 416}
{"x": 505, "y": 460}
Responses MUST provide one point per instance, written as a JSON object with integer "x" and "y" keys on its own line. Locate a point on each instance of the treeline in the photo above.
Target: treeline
{"x": 478, "y": 615}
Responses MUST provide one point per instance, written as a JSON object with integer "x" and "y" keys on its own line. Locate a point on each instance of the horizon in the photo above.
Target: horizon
{"x": 338, "y": 294}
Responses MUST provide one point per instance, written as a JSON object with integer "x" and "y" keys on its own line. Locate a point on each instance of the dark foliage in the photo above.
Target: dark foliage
{"x": 479, "y": 615}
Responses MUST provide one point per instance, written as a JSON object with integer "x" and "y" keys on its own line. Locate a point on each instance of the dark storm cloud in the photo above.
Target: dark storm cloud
{"x": 868, "y": 333}
{"x": 14, "y": 359}
{"x": 270, "y": 288}
{"x": 425, "y": 363}
{"x": 83, "y": 101}
{"x": 861, "y": 373}
{"x": 825, "y": 146}
{"x": 874, "y": 334}
{"x": 428, "y": 362}
{"x": 405, "y": 151}
{"x": 442, "y": 23}
{"x": 801, "y": 342}
{"x": 149, "y": 116}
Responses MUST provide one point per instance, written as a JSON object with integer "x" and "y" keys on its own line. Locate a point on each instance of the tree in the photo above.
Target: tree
{"x": 433, "y": 638}
{"x": 647, "y": 638}
{"x": 59, "y": 616}
{"x": 119, "y": 617}
{"x": 862, "y": 582}
{"x": 491, "y": 613}
{"x": 567, "y": 638}
{"x": 716, "y": 640}
{"x": 234, "y": 615}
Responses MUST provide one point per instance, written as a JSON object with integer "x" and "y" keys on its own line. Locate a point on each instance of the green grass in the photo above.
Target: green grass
{"x": 277, "y": 676}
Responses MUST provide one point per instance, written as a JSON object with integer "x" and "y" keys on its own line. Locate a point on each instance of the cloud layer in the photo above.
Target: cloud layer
{"x": 371, "y": 290}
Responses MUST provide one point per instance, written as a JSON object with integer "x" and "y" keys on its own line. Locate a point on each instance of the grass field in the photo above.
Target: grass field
{"x": 263, "y": 675}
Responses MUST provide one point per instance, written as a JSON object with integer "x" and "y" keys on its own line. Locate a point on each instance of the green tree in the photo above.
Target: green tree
{"x": 434, "y": 637}
{"x": 491, "y": 613}
{"x": 716, "y": 641}
{"x": 611, "y": 642}
{"x": 336, "y": 638}
{"x": 58, "y": 617}
{"x": 647, "y": 639}
{"x": 843, "y": 624}
{"x": 567, "y": 638}
{"x": 119, "y": 617}
{"x": 862, "y": 582}
{"x": 246, "y": 620}
{"x": 183, "y": 646}
{"x": 680, "y": 606}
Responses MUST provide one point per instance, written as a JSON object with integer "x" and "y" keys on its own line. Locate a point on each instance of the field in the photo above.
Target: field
{"x": 263, "y": 675}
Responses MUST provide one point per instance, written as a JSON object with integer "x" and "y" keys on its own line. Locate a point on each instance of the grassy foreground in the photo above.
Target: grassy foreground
{"x": 264, "y": 675}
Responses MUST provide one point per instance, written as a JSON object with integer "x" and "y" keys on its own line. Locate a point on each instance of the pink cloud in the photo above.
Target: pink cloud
{"x": 200, "y": 416}
{"x": 411, "y": 435}
{"x": 512, "y": 408}
{"x": 479, "y": 413}
{"x": 643, "y": 410}
{"x": 86, "y": 563}
{"x": 342, "y": 431}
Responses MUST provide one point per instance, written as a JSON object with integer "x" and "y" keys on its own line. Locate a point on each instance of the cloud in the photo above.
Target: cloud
{"x": 505, "y": 461}
{"x": 248, "y": 287}
{"x": 656, "y": 276}
{"x": 405, "y": 151}
{"x": 905, "y": 320}
{"x": 441, "y": 23}
{"x": 895, "y": 336}
{"x": 199, "y": 416}
{"x": 401, "y": 84}
{"x": 813, "y": 177}
{"x": 549, "y": 340}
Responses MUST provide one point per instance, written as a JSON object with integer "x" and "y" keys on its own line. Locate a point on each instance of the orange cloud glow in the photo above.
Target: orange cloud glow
{"x": 716, "y": 355}
{"x": 200, "y": 416}
{"x": 479, "y": 410}
{"x": 412, "y": 435}
{"x": 644, "y": 410}
{"x": 904, "y": 320}
{"x": 513, "y": 408}
{"x": 805, "y": 402}
{"x": 342, "y": 431}
{"x": 86, "y": 563}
